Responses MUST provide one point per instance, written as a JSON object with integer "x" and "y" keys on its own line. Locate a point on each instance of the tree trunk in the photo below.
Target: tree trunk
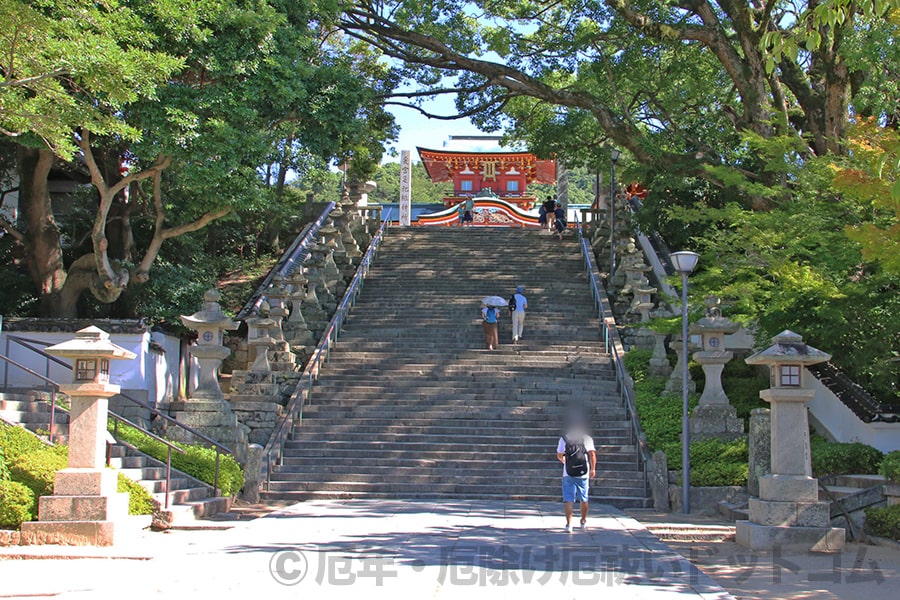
{"x": 43, "y": 248}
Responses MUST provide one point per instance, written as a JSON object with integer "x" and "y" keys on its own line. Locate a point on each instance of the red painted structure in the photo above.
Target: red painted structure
{"x": 506, "y": 174}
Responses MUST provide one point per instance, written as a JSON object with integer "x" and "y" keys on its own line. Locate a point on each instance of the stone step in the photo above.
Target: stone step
{"x": 30, "y": 419}
{"x": 472, "y": 487}
{"x": 858, "y": 481}
{"x": 296, "y": 452}
{"x": 443, "y": 439}
{"x": 622, "y": 502}
{"x": 614, "y": 421}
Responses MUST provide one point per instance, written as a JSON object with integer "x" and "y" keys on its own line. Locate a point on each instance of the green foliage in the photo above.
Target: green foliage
{"x": 637, "y": 363}
{"x": 843, "y": 458}
{"x": 198, "y": 461}
{"x": 37, "y": 470}
{"x": 884, "y": 521}
{"x": 4, "y": 469}
{"x": 33, "y": 464}
{"x": 17, "y": 504}
{"x": 140, "y": 502}
{"x": 423, "y": 190}
{"x": 890, "y": 467}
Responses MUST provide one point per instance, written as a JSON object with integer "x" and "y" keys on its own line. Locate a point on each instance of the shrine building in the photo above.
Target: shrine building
{"x": 505, "y": 174}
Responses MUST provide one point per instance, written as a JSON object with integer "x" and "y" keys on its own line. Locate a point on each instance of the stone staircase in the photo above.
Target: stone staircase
{"x": 413, "y": 405}
{"x": 189, "y": 498}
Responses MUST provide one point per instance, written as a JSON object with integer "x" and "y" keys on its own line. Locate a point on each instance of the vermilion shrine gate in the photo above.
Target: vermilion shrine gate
{"x": 505, "y": 174}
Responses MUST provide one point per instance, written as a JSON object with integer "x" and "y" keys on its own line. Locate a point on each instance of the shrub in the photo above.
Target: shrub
{"x": 197, "y": 461}
{"x": 884, "y": 522}
{"x": 890, "y": 467}
{"x": 713, "y": 462}
{"x": 37, "y": 470}
{"x": 637, "y": 362}
{"x": 140, "y": 502}
{"x": 4, "y": 469}
{"x": 16, "y": 504}
{"x": 843, "y": 458}
{"x": 16, "y": 441}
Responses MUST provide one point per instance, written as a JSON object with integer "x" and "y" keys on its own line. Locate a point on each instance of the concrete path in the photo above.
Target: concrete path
{"x": 383, "y": 549}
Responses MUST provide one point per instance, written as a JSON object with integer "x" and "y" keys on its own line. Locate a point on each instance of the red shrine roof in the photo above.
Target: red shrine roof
{"x": 443, "y": 165}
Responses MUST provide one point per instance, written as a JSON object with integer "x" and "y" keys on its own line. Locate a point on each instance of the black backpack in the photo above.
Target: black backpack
{"x": 512, "y": 303}
{"x": 576, "y": 457}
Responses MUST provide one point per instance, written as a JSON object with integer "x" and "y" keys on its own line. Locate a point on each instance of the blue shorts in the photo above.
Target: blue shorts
{"x": 575, "y": 489}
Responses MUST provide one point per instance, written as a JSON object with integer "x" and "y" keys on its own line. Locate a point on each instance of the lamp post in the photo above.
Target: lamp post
{"x": 613, "y": 159}
{"x": 684, "y": 263}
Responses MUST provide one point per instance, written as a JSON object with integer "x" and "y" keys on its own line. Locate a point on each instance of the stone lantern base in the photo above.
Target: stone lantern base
{"x": 82, "y": 511}
{"x": 716, "y": 421}
{"x": 802, "y": 523}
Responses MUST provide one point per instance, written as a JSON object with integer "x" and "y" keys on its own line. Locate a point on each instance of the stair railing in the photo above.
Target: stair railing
{"x": 293, "y": 413}
{"x": 31, "y": 345}
{"x": 295, "y": 254}
{"x": 54, "y": 391}
{"x": 616, "y": 350}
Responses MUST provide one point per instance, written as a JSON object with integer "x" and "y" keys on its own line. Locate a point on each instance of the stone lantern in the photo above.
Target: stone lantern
{"x": 345, "y": 225}
{"x": 298, "y": 332}
{"x": 85, "y": 503}
{"x": 210, "y": 323}
{"x": 714, "y": 416}
{"x": 673, "y": 385}
{"x": 788, "y": 513}
{"x": 258, "y": 336}
{"x": 276, "y": 296}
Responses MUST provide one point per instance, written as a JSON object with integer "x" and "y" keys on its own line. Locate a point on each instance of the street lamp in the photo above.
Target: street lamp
{"x": 684, "y": 263}
{"x": 613, "y": 159}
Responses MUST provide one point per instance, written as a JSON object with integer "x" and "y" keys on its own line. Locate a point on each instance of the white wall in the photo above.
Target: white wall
{"x": 150, "y": 377}
{"x": 841, "y": 424}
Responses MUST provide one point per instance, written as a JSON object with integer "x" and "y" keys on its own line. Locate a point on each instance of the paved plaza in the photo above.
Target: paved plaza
{"x": 424, "y": 549}
{"x": 382, "y": 549}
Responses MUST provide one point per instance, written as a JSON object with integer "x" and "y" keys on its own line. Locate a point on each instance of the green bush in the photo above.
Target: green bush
{"x": 197, "y": 461}
{"x": 713, "y": 461}
{"x": 16, "y": 441}
{"x": 843, "y": 458}
{"x": 884, "y": 522}
{"x": 140, "y": 502}
{"x": 637, "y": 363}
{"x": 890, "y": 467}
{"x": 4, "y": 469}
{"x": 37, "y": 470}
{"x": 16, "y": 504}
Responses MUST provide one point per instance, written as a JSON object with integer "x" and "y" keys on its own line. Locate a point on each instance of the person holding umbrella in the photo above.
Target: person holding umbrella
{"x": 490, "y": 315}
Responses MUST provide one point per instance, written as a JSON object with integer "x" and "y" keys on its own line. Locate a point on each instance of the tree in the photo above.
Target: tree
{"x": 235, "y": 86}
{"x": 423, "y": 190}
{"x": 676, "y": 84}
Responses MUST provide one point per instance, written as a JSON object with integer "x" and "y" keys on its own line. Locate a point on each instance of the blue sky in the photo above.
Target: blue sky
{"x": 418, "y": 130}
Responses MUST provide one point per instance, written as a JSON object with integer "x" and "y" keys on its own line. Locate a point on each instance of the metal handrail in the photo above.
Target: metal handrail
{"x": 116, "y": 419}
{"x": 293, "y": 255}
{"x": 219, "y": 448}
{"x": 303, "y": 393}
{"x": 613, "y": 343}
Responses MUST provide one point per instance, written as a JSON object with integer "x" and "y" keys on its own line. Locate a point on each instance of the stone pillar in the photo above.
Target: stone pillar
{"x": 85, "y": 505}
{"x": 276, "y": 296}
{"x": 760, "y": 443}
{"x": 252, "y": 474}
{"x": 788, "y": 513}
{"x": 298, "y": 333}
{"x": 673, "y": 385}
{"x": 659, "y": 362}
{"x": 659, "y": 480}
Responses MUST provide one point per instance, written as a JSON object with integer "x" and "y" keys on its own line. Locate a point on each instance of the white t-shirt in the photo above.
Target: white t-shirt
{"x": 521, "y": 302}
{"x": 588, "y": 447}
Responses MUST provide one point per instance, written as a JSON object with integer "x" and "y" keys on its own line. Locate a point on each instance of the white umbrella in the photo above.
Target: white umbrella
{"x": 495, "y": 301}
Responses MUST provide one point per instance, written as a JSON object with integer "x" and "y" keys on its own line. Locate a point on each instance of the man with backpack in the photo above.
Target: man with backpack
{"x": 517, "y": 305}
{"x": 576, "y": 452}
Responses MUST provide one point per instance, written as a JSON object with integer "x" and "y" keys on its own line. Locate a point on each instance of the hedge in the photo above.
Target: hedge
{"x": 32, "y": 464}
{"x": 17, "y": 504}
{"x": 884, "y": 522}
{"x": 890, "y": 467}
{"x": 830, "y": 458}
{"x": 197, "y": 461}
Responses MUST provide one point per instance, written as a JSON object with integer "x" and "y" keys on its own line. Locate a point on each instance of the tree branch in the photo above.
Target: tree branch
{"x": 15, "y": 233}
{"x": 34, "y": 79}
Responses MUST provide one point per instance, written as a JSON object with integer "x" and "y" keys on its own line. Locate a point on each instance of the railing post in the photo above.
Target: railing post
{"x": 268, "y": 470}
{"x": 216, "y": 477}
{"x": 168, "y": 473}
{"x": 52, "y": 413}
{"x": 6, "y": 365}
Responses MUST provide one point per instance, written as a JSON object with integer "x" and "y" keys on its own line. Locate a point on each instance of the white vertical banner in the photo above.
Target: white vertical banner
{"x": 405, "y": 188}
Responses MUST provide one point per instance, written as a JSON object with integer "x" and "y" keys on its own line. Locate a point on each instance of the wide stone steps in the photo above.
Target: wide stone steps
{"x": 411, "y": 404}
